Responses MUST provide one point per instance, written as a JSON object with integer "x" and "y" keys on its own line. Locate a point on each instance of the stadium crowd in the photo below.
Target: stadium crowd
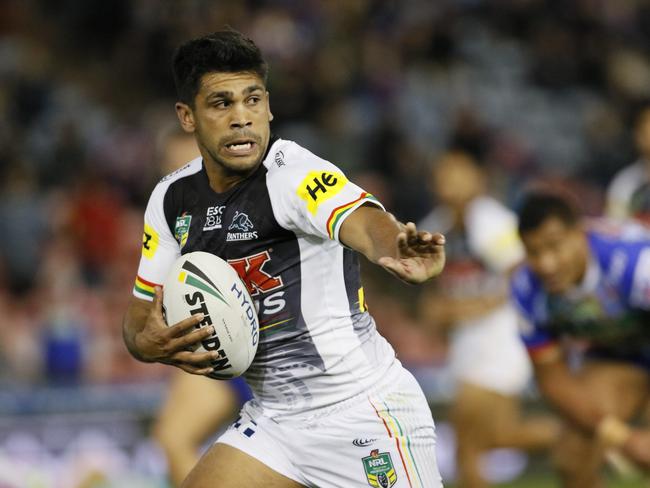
{"x": 535, "y": 90}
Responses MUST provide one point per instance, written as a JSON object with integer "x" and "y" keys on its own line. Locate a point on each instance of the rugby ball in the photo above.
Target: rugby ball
{"x": 200, "y": 282}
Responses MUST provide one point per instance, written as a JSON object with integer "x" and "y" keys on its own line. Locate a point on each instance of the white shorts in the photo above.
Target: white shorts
{"x": 383, "y": 439}
{"x": 489, "y": 353}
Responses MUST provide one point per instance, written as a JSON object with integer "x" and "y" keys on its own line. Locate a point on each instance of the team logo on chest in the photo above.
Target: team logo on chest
{"x": 380, "y": 472}
{"x": 241, "y": 228}
{"x": 182, "y": 229}
{"x": 213, "y": 217}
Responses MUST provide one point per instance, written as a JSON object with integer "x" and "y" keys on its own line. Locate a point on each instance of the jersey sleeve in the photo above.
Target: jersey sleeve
{"x": 159, "y": 248}
{"x": 530, "y": 307}
{"x": 639, "y": 289}
{"x": 313, "y": 196}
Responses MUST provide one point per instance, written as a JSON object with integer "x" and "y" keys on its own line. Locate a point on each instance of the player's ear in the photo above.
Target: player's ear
{"x": 268, "y": 106}
{"x": 185, "y": 116}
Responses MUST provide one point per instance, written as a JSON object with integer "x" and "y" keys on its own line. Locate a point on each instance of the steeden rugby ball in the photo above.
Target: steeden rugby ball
{"x": 200, "y": 282}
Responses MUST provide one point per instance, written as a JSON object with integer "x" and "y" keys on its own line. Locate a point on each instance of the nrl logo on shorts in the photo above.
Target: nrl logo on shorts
{"x": 380, "y": 472}
{"x": 182, "y": 229}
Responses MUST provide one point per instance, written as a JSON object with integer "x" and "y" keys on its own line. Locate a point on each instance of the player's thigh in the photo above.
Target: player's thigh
{"x": 619, "y": 388}
{"x": 224, "y": 466}
{"x": 194, "y": 408}
{"x": 384, "y": 440}
{"x": 469, "y": 413}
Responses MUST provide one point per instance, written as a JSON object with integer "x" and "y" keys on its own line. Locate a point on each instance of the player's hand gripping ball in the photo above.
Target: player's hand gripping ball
{"x": 200, "y": 282}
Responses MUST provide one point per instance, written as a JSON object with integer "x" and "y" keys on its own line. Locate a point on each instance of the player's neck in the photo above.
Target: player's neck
{"x": 222, "y": 179}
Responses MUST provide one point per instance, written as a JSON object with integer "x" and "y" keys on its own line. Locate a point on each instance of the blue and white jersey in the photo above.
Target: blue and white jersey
{"x": 609, "y": 310}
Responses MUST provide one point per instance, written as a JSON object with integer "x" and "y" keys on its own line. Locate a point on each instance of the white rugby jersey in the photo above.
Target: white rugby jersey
{"x": 628, "y": 195}
{"x": 279, "y": 229}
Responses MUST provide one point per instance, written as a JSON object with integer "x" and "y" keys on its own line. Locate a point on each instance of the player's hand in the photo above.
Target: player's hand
{"x": 172, "y": 345}
{"x": 637, "y": 447}
{"x": 420, "y": 255}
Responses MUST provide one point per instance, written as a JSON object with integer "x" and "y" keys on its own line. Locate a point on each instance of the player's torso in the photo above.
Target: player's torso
{"x": 317, "y": 342}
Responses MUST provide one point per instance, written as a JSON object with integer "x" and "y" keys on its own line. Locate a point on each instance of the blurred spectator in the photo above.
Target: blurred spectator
{"x": 470, "y": 302}
{"x": 628, "y": 195}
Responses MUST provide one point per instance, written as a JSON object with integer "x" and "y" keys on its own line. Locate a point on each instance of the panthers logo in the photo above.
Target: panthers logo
{"x": 241, "y": 222}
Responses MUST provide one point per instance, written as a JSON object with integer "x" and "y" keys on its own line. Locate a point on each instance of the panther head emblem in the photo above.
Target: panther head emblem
{"x": 241, "y": 222}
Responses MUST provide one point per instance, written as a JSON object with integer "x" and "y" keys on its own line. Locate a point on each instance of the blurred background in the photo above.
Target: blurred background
{"x": 536, "y": 90}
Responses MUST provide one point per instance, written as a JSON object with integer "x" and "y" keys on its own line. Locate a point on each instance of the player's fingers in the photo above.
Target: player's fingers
{"x": 411, "y": 232}
{"x": 186, "y": 325}
{"x": 195, "y": 370}
{"x": 193, "y": 338}
{"x": 195, "y": 359}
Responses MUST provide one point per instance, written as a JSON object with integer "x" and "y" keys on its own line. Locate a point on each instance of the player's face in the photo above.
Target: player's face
{"x": 456, "y": 181}
{"x": 557, "y": 254}
{"x": 230, "y": 120}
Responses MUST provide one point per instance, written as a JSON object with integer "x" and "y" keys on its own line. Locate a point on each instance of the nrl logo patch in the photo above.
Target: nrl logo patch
{"x": 182, "y": 229}
{"x": 380, "y": 472}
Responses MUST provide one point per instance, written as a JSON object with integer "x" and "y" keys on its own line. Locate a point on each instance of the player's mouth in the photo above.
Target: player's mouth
{"x": 241, "y": 147}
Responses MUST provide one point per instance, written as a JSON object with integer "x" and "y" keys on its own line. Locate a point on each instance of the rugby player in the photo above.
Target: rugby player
{"x": 332, "y": 405}
{"x": 587, "y": 286}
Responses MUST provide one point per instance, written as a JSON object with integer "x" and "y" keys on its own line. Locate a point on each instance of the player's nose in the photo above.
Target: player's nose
{"x": 240, "y": 118}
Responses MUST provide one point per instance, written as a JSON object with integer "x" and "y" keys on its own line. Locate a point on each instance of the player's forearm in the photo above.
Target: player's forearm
{"x": 372, "y": 232}
{"x": 134, "y": 320}
{"x": 570, "y": 397}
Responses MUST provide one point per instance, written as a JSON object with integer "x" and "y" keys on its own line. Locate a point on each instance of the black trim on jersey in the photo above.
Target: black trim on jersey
{"x": 352, "y": 278}
{"x": 200, "y": 183}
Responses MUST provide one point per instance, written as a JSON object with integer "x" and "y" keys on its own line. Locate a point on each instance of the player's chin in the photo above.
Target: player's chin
{"x": 241, "y": 165}
{"x": 556, "y": 286}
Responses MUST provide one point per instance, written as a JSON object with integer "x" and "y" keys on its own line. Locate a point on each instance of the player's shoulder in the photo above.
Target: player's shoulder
{"x": 629, "y": 175}
{"x": 607, "y": 233}
{"x": 185, "y": 171}
{"x": 287, "y": 157}
{"x": 489, "y": 214}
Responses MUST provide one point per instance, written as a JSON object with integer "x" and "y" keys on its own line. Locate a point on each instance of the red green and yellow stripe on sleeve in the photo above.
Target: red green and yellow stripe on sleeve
{"x": 144, "y": 287}
{"x": 339, "y": 214}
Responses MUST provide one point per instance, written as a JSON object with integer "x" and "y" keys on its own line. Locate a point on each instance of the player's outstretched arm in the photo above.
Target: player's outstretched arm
{"x": 148, "y": 338}
{"x": 411, "y": 255}
{"x": 576, "y": 401}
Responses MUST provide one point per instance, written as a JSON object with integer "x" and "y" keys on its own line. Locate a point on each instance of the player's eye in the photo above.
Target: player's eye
{"x": 220, "y": 103}
{"x": 254, "y": 99}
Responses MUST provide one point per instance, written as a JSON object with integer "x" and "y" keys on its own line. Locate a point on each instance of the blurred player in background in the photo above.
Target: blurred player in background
{"x": 587, "y": 282}
{"x": 628, "y": 195}
{"x": 470, "y": 302}
{"x": 332, "y": 404}
{"x": 195, "y": 408}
